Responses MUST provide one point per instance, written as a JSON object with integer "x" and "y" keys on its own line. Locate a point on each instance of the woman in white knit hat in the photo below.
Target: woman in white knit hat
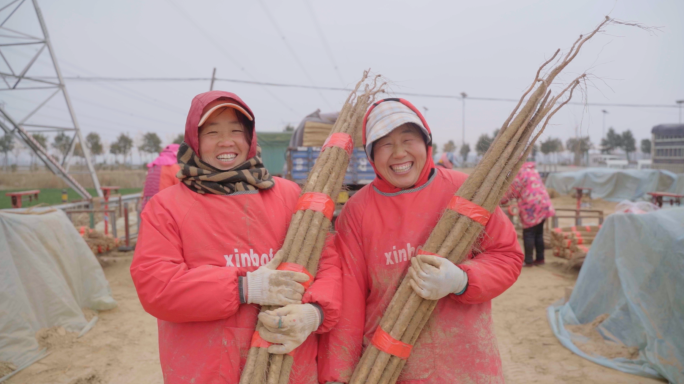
{"x": 378, "y": 233}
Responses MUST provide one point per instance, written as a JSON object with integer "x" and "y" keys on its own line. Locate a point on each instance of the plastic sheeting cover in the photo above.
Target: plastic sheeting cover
{"x": 633, "y": 273}
{"x": 614, "y": 184}
{"x": 47, "y": 274}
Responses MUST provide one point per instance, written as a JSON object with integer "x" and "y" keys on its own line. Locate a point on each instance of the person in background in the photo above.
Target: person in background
{"x": 161, "y": 173}
{"x": 446, "y": 160}
{"x": 534, "y": 205}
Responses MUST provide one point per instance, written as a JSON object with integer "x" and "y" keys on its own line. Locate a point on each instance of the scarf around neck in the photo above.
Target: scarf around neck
{"x": 202, "y": 178}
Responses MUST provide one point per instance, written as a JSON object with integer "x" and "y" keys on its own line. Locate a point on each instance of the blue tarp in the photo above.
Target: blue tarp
{"x": 616, "y": 184}
{"x": 634, "y": 272}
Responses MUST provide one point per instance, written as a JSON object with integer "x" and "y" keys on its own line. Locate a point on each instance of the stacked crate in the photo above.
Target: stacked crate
{"x": 573, "y": 243}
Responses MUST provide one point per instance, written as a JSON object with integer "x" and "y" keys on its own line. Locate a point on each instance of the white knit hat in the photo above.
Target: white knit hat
{"x": 386, "y": 117}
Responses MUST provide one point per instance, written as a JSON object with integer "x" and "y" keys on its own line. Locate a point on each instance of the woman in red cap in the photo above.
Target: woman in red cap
{"x": 378, "y": 233}
{"x": 207, "y": 251}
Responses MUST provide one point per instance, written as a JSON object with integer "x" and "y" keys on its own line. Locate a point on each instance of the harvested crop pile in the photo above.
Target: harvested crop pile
{"x": 552, "y": 193}
{"x": 462, "y": 223}
{"x": 97, "y": 241}
{"x": 309, "y": 226}
{"x": 55, "y": 337}
{"x": 6, "y": 368}
{"x": 573, "y": 243}
{"x": 597, "y": 345}
{"x": 83, "y": 219}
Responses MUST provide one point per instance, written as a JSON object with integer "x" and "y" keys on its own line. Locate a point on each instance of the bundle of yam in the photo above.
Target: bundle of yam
{"x": 462, "y": 222}
{"x": 316, "y": 133}
{"x": 572, "y": 243}
{"x": 309, "y": 226}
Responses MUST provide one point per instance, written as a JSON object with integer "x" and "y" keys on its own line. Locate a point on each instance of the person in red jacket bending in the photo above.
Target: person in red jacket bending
{"x": 207, "y": 251}
{"x": 378, "y": 233}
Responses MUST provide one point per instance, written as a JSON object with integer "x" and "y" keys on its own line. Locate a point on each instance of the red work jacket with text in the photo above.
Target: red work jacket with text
{"x": 377, "y": 234}
{"x": 190, "y": 252}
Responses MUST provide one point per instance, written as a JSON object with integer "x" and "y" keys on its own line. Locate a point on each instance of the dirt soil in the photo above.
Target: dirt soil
{"x": 597, "y": 345}
{"x": 529, "y": 350}
{"x": 122, "y": 347}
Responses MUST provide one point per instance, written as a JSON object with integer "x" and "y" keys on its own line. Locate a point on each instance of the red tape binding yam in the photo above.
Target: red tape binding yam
{"x": 316, "y": 201}
{"x": 469, "y": 209}
{"x": 340, "y": 140}
{"x": 386, "y": 343}
{"x": 258, "y": 342}
{"x": 423, "y": 252}
{"x": 297, "y": 268}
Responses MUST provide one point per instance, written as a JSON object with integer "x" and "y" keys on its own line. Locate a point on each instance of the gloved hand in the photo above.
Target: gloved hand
{"x": 434, "y": 277}
{"x": 266, "y": 286}
{"x": 289, "y": 326}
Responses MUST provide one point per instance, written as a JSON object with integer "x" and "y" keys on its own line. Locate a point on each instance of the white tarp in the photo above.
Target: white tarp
{"x": 47, "y": 274}
{"x": 634, "y": 275}
{"x": 615, "y": 184}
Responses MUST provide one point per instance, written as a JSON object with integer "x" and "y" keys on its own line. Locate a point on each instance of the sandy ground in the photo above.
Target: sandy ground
{"x": 529, "y": 350}
{"x": 122, "y": 347}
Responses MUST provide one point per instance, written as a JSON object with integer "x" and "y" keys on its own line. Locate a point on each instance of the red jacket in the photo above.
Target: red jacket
{"x": 378, "y": 232}
{"x": 190, "y": 252}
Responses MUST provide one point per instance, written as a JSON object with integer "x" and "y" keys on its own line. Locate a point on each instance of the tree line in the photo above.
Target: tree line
{"x": 123, "y": 146}
{"x": 579, "y": 146}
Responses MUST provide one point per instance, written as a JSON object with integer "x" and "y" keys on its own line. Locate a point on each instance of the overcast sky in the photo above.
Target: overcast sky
{"x": 486, "y": 48}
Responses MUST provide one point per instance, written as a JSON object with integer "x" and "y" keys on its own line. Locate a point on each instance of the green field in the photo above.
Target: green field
{"x": 52, "y": 196}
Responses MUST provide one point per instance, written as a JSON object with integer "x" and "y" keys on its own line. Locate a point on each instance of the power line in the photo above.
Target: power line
{"x": 290, "y": 49}
{"x": 324, "y": 40}
{"x": 115, "y": 126}
{"x": 218, "y": 46}
{"x": 321, "y": 88}
{"x": 131, "y": 93}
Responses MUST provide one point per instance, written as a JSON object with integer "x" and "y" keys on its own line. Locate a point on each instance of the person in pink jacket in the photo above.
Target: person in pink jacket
{"x": 534, "y": 205}
{"x": 378, "y": 233}
{"x": 161, "y": 173}
{"x": 207, "y": 251}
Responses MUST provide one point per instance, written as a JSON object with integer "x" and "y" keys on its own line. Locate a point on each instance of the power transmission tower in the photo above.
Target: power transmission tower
{"x": 16, "y": 77}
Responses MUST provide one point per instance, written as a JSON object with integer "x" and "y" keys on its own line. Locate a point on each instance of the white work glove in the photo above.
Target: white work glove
{"x": 434, "y": 277}
{"x": 288, "y": 327}
{"x": 266, "y": 286}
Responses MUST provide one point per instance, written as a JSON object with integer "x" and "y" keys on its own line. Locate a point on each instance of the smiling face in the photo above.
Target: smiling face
{"x": 400, "y": 156}
{"x": 223, "y": 140}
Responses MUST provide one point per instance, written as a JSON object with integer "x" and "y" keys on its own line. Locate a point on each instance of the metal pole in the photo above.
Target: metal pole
{"x": 463, "y": 97}
{"x": 680, "y": 102}
{"x": 128, "y": 234}
{"x": 213, "y": 78}
{"x": 106, "y": 214}
{"x": 86, "y": 154}
{"x": 114, "y": 234}
{"x": 603, "y": 129}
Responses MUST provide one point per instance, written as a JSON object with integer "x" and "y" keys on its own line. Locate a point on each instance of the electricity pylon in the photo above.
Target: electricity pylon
{"x": 18, "y": 78}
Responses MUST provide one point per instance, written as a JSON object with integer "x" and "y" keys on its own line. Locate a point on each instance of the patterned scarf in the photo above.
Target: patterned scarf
{"x": 203, "y": 178}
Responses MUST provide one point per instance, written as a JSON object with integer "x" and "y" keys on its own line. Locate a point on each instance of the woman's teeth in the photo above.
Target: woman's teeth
{"x": 226, "y": 157}
{"x": 402, "y": 168}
